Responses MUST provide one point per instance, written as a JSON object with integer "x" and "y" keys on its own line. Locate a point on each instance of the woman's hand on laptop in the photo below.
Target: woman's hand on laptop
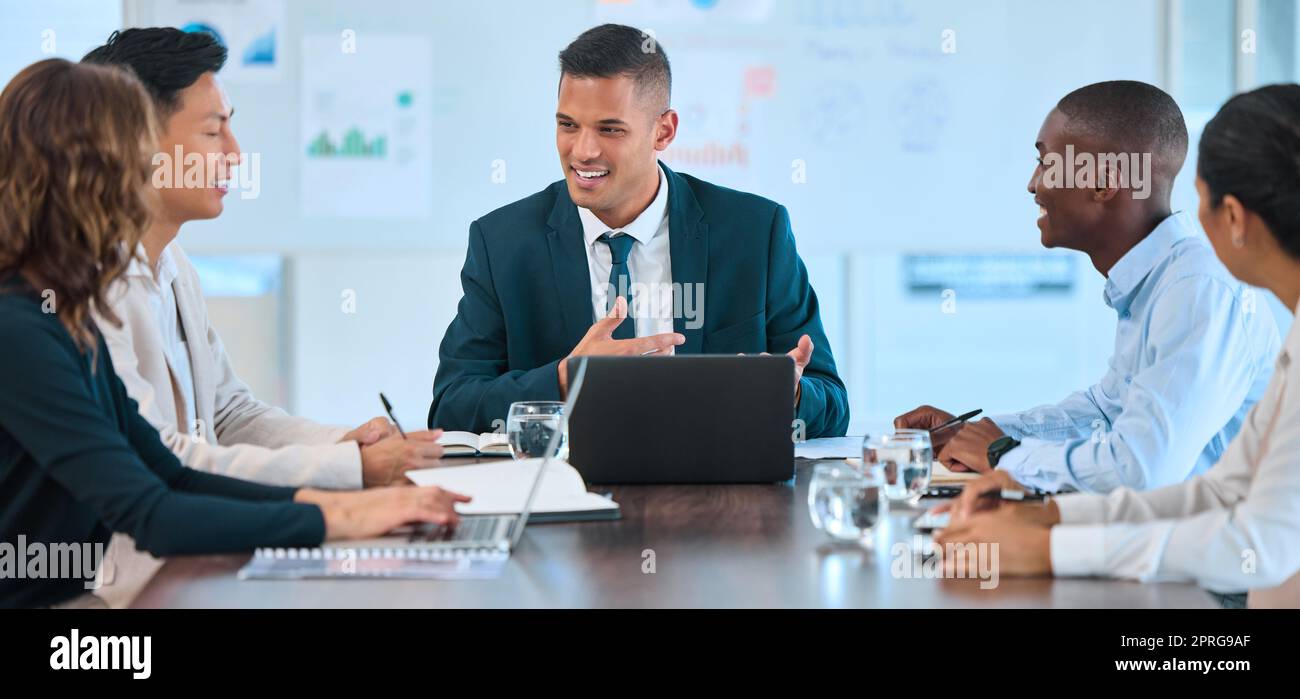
{"x": 369, "y": 513}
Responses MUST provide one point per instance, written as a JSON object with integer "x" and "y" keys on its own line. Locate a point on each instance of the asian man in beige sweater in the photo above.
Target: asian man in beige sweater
{"x": 166, "y": 351}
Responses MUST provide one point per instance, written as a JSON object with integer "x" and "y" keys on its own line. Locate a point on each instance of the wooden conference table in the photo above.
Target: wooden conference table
{"x": 711, "y": 546}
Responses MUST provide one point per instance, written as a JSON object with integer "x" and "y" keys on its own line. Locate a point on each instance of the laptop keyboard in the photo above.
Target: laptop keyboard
{"x": 470, "y": 529}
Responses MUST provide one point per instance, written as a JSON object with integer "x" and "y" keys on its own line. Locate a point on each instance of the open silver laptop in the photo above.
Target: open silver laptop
{"x": 499, "y": 532}
{"x": 476, "y": 549}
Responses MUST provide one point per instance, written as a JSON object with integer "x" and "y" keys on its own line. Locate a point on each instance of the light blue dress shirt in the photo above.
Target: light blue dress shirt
{"x": 1194, "y": 350}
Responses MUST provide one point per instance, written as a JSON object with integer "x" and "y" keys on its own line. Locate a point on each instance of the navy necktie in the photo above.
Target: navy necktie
{"x": 620, "y": 280}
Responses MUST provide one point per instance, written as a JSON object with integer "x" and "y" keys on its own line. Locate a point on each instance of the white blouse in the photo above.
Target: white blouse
{"x": 1234, "y": 528}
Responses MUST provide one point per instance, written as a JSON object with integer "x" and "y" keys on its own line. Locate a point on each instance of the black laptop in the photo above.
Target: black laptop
{"x": 687, "y": 419}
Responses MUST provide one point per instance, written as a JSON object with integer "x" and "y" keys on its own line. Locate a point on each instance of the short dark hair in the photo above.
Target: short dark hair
{"x": 1130, "y": 116}
{"x": 167, "y": 60}
{"x": 1251, "y": 150}
{"x": 617, "y": 49}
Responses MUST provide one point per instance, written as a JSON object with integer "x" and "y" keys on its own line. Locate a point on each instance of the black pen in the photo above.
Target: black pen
{"x": 959, "y": 420}
{"x": 388, "y": 408}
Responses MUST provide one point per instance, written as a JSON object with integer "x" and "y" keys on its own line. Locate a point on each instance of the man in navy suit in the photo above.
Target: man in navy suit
{"x": 626, "y": 257}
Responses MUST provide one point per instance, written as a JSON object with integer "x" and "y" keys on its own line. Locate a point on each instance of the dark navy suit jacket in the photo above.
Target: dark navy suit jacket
{"x": 527, "y": 301}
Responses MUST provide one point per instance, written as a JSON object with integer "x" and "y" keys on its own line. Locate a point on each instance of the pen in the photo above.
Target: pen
{"x": 959, "y": 420}
{"x": 388, "y": 408}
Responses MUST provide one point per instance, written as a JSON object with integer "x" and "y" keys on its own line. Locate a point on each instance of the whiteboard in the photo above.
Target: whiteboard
{"x": 902, "y": 147}
{"x": 33, "y": 31}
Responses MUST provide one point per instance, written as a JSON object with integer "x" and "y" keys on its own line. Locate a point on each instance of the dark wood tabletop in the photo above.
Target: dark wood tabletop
{"x": 711, "y": 546}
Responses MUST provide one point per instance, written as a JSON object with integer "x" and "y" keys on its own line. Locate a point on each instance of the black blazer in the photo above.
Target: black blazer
{"x": 77, "y": 462}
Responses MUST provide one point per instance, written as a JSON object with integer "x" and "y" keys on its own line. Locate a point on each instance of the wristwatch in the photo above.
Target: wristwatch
{"x": 999, "y": 447}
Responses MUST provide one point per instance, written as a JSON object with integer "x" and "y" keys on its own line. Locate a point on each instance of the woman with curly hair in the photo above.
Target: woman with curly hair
{"x": 77, "y": 461}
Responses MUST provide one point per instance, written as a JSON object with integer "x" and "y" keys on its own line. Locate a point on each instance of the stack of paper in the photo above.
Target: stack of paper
{"x": 501, "y": 487}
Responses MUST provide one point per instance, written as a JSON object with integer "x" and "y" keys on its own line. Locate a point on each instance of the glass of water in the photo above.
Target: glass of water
{"x": 845, "y": 502}
{"x": 904, "y": 459}
{"x": 530, "y": 426}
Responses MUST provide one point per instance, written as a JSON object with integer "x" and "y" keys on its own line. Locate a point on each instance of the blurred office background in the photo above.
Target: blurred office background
{"x": 898, "y": 133}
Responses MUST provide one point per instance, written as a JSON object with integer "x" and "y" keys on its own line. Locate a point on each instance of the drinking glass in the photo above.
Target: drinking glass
{"x": 530, "y": 426}
{"x": 845, "y": 502}
{"x": 904, "y": 459}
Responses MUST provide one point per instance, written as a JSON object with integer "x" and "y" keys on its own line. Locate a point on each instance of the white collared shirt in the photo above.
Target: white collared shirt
{"x": 649, "y": 264}
{"x": 174, "y": 345}
{"x": 1234, "y": 528}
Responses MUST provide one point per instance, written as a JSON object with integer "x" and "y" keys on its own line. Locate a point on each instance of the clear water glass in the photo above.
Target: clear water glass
{"x": 845, "y": 502}
{"x": 904, "y": 459}
{"x": 530, "y": 426}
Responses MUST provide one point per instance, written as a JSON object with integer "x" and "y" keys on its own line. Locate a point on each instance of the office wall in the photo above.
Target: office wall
{"x": 903, "y": 146}
{"x": 906, "y": 150}
{"x": 30, "y": 31}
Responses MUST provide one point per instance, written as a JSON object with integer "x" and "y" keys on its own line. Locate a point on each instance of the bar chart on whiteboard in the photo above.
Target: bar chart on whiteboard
{"x": 365, "y": 140}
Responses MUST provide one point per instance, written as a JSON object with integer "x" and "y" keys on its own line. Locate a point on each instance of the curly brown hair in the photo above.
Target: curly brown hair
{"x": 76, "y": 150}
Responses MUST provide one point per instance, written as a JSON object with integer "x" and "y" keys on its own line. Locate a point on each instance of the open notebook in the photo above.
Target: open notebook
{"x": 501, "y": 487}
{"x": 470, "y": 444}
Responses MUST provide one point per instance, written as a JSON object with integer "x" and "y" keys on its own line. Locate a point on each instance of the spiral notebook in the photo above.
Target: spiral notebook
{"x": 386, "y": 557}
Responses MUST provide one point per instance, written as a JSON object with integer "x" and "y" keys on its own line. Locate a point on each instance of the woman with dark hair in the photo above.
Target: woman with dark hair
{"x": 1237, "y": 526}
{"x": 77, "y": 461}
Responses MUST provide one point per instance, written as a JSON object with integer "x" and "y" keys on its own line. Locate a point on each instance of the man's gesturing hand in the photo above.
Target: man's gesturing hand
{"x": 801, "y": 354}
{"x": 599, "y": 341}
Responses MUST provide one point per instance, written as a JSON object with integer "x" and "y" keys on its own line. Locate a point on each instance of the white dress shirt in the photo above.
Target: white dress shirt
{"x": 649, "y": 264}
{"x": 1234, "y": 528}
{"x": 162, "y": 298}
